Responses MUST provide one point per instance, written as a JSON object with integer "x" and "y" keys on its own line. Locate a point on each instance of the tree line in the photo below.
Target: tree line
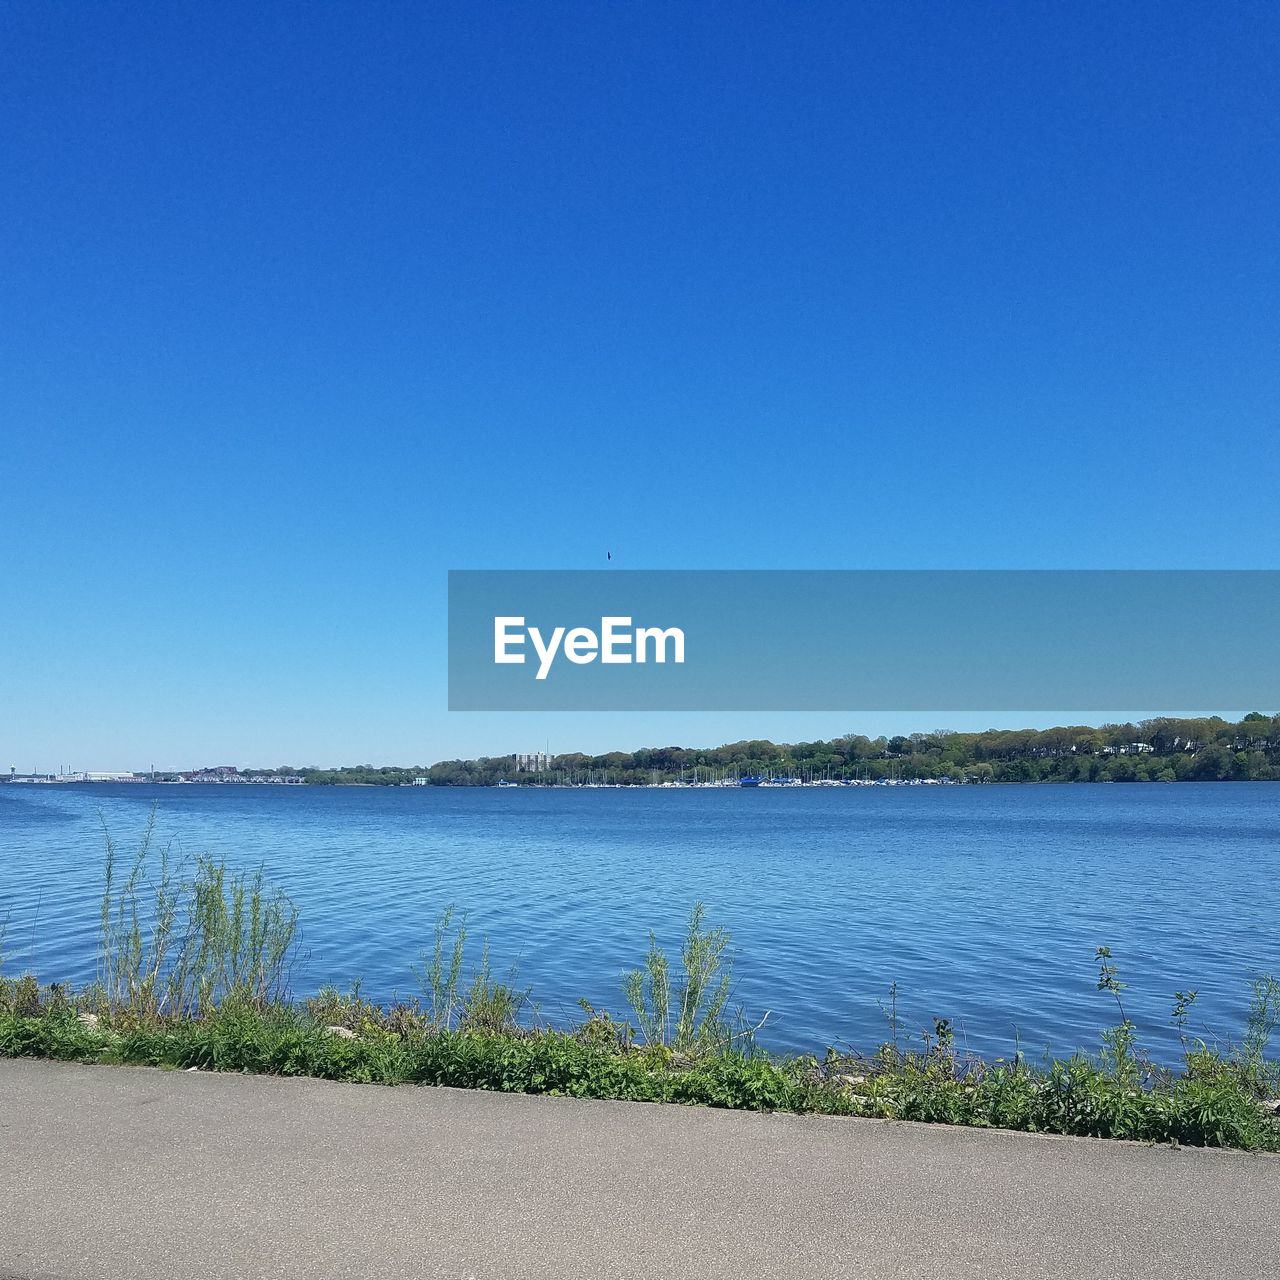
{"x": 1164, "y": 749}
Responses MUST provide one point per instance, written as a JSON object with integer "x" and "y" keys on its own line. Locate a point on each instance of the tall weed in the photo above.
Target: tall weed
{"x": 172, "y": 945}
{"x": 687, "y": 1013}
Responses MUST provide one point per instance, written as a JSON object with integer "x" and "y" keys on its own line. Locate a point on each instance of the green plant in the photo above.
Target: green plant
{"x": 170, "y": 946}
{"x": 891, "y": 1048}
{"x": 331, "y": 1008}
{"x": 1119, "y": 1052}
{"x": 601, "y": 1030}
{"x": 439, "y": 978}
{"x": 1182, "y": 1003}
{"x": 1260, "y": 1024}
{"x": 485, "y": 1005}
{"x": 648, "y": 991}
{"x": 1212, "y": 1107}
{"x": 244, "y": 934}
{"x": 942, "y": 1050}
{"x": 129, "y": 969}
{"x": 688, "y": 1015}
{"x": 489, "y": 1006}
{"x": 20, "y": 996}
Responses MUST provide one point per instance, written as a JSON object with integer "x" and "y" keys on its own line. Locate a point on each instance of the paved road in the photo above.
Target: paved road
{"x": 124, "y": 1172}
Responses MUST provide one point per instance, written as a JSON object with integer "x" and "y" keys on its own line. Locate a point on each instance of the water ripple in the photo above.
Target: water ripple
{"x": 983, "y": 904}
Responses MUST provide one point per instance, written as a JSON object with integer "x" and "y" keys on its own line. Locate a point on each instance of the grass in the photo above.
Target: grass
{"x": 485, "y": 1004}
{"x": 174, "y": 944}
{"x": 193, "y": 973}
{"x": 688, "y": 1013}
{"x": 1205, "y": 1108}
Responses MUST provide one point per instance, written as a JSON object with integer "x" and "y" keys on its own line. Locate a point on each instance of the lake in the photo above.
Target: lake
{"x": 983, "y": 904}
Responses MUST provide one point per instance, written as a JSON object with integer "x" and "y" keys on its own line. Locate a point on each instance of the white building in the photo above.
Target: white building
{"x": 533, "y": 762}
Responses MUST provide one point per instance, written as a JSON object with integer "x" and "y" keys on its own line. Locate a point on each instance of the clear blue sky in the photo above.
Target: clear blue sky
{"x": 305, "y": 304}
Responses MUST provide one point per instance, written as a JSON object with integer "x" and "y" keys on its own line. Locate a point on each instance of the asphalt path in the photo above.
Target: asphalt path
{"x": 134, "y": 1174}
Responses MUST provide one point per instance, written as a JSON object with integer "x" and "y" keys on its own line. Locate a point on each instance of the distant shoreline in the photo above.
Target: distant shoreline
{"x": 1163, "y": 749}
{"x": 624, "y": 786}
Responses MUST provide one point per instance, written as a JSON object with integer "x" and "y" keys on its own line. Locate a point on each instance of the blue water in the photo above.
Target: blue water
{"x": 983, "y": 904}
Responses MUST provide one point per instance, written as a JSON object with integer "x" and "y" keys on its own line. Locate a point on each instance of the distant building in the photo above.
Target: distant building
{"x": 533, "y": 762}
{"x": 214, "y": 773}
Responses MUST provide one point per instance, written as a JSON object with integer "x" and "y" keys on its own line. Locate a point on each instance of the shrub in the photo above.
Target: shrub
{"x": 171, "y": 946}
{"x": 687, "y": 1015}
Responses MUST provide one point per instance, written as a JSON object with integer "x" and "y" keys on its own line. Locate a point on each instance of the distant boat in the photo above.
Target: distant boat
{"x": 750, "y": 782}
{"x": 502, "y": 782}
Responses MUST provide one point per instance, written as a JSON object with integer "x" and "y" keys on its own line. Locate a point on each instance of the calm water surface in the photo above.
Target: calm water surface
{"x": 984, "y": 904}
